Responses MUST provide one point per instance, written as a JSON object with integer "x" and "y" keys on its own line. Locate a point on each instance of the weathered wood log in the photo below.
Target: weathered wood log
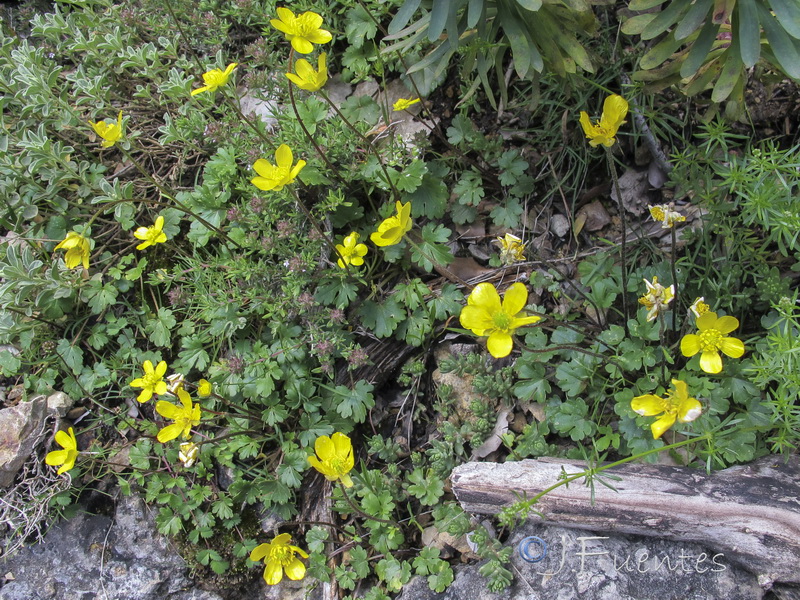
{"x": 750, "y": 513}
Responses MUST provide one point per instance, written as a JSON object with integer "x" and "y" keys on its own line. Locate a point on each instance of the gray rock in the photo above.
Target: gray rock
{"x": 559, "y": 225}
{"x": 580, "y": 565}
{"x": 20, "y": 427}
{"x": 59, "y": 403}
{"x": 92, "y": 556}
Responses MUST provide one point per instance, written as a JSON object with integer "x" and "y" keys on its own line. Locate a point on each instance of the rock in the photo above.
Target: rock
{"x": 559, "y": 225}
{"x": 580, "y": 565}
{"x": 265, "y": 110}
{"x": 594, "y": 216}
{"x": 59, "y": 403}
{"x": 20, "y": 427}
{"x": 93, "y": 556}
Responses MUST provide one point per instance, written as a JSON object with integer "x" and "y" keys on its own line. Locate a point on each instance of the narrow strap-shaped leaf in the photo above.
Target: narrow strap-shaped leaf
{"x": 636, "y": 24}
{"x": 700, "y": 49}
{"x": 788, "y": 13}
{"x": 749, "y": 32}
{"x": 519, "y": 41}
{"x": 474, "y": 12}
{"x": 665, "y": 19}
{"x": 531, "y": 5}
{"x": 694, "y": 18}
{"x": 660, "y": 52}
{"x": 637, "y": 5}
{"x": 708, "y": 73}
{"x": 783, "y": 46}
{"x": 403, "y": 15}
{"x": 731, "y": 72}
{"x": 439, "y": 14}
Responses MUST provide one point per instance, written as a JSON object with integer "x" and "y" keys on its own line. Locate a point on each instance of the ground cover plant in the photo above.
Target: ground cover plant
{"x": 249, "y": 284}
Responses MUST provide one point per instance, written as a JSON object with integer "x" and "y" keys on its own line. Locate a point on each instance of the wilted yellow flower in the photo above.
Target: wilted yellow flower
{"x": 185, "y": 417}
{"x": 307, "y": 78}
{"x": 710, "y": 339}
{"x": 614, "y": 110}
{"x": 303, "y": 31}
{"x": 511, "y": 249}
{"x": 392, "y": 230}
{"x": 484, "y": 314}
{"x": 152, "y": 381}
{"x": 188, "y": 454}
{"x": 334, "y": 458}
{"x": 279, "y": 557}
{"x": 274, "y": 177}
{"x": 110, "y": 132}
{"x": 204, "y": 388}
{"x": 77, "y": 248}
{"x": 699, "y": 307}
{"x": 350, "y": 251}
{"x": 66, "y": 457}
{"x": 214, "y": 79}
{"x": 657, "y": 298}
{"x": 674, "y": 405}
{"x": 151, "y": 235}
{"x": 666, "y": 215}
{"x": 404, "y": 103}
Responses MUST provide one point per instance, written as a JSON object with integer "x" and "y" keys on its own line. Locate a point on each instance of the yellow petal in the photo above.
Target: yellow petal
{"x": 515, "y": 299}
{"x": 731, "y": 346}
{"x": 710, "y": 361}
{"x": 661, "y": 425}
{"x": 325, "y": 448}
{"x": 615, "y": 108}
{"x": 56, "y": 457}
{"x": 259, "y": 552}
{"x": 648, "y": 405}
{"x": 690, "y": 344}
{"x": 295, "y": 570}
{"x": 283, "y": 156}
{"x": 726, "y": 324}
{"x": 169, "y": 433}
{"x": 485, "y": 296}
{"x": 168, "y": 410}
{"x": 273, "y": 573}
{"x": 706, "y": 321}
{"x": 346, "y": 481}
{"x": 499, "y": 344}
{"x": 476, "y": 319}
{"x": 302, "y": 45}
{"x": 689, "y": 410}
{"x": 263, "y": 167}
{"x": 342, "y": 444}
{"x": 65, "y": 440}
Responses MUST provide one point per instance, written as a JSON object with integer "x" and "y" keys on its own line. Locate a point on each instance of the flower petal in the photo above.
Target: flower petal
{"x": 325, "y": 448}
{"x": 689, "y": 410}
{"x": 515, "y": 299}
{"x": 485, "y": 296}
{"x": 168, "y": 410}
{"x": 690, "y": 344}
{"x": 273, "y": 573}
{"x": 283, "y": 156}
{"x": 259, "y": 552}
{"x": 726, "y": 324}
{"x": 706, "y": 321}
{"x": 661, "y": 425}
{"x": 731, "y": 346}
{"x": 648, "y": 405}
{"x": 499, "y": 344}
{"x": 56, "y": 457}
{"x": 711, "y": 361}
{"x": 295, "y": 570}
{"x": 169, "y": 433}
{"x": 477, "y": 319}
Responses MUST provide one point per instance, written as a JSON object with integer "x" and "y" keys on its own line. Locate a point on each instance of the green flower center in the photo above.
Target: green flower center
{"x": 305, "y": 26}
{"x": 281, "y": 554}
{"x": 502, "y": 321}
{"x": 337, "y": 466}
{"x": 151, "y": 380}
{"x": 710, "y": 339}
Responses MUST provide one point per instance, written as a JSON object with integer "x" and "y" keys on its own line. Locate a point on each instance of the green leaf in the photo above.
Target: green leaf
{"x": 731, "y": 72}
{"x": 512, "y": 167}
{"x": 158, "y": 329}
{"x": 337, "y": 291}
{"x": 695, "y": 16}
{"x": 194, "y": 354}
{"x": 749, "y": 32}
{"x": 700, "y": 49}
{"x": 788, "y": 14}
{"x": 531, "y": 5}
{"x": 507, "y": 215}
{"x": 360, "y": 26}
{"x": 427, "y": 488}
{"x": 411, "y": 177}
{"x": 72, "y": 355}
{"x": 356, "y": 402}
{"x": 784, "y": 47}
{"x": 9, "y": 363}
{"x": 665, "y": 19}
{"x": 431, "y": 250}
{"x": 430, "y": 198}
{"x": 469, "y": 188}
{"x": 403, "y": 16}
{"x": 637, "y": 24}
{"x": 660, "y": 52}
{"x": 381, "y": 319}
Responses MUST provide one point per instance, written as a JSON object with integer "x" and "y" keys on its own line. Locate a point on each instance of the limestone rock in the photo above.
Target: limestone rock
{"x": 20, "y": 426}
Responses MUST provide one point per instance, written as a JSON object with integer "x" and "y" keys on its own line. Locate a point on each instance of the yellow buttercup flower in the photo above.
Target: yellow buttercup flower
{"x": 307, "y": 78}
{"x": 710, "y": 339}
{"x": 152, "y": 381}
{"x": 188, "y": 453}
{"x": 204, "y": 388}
{"x": 350, "y": 251}
{"x": 674, "y": 406}
{"x": 664, "y": 214}
{"x": 77, "y": 248}
{"x": 657, "y": 298}
{"x": 214, "y": 79}
{"x": 110, "y": 132}
{"x": 484, "y": 314}
{"x": 404, "y": 103}
{"x": 279, "y": 558}
{"x": 334, "y": 458}
{"x": 66, "y": 457}
{"x": 185, "y": 416}
{"x": 614, "y": 110}
{"x": 151, "y": 235}
{"x": 699, "y": 307}
{"x": 392, "y": 230}
{"x": 303, "y": 31}
{"x": 274, "y": 177}
{"x": 511, "y": 249}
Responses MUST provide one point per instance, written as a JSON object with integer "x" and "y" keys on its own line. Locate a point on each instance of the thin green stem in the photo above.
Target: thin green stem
{"x": 623, "y": 247}
{"x": 677, "y": 298}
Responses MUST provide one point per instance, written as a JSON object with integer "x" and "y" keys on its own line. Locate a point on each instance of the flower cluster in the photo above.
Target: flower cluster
{"x": 274, "y": 177}
{"x": 511, "y": 249}
{"x": 404, "y": 104}
{"x": 675, "y": 405}
{"x": 710, "y": 339}
{"x": 151, "y": 235}
{"x": 392, "y": 230}
{"x": 186, "y": 416}
{"x": 657, "y": 298}
{"x": 307, "y": 78}
{"x": 350, "y": 251}
{"x": 152, "y": 382}
{"x": 302, "y": 31}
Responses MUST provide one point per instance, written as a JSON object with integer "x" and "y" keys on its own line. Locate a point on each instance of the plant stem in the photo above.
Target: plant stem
{"x": 623, "y": 247}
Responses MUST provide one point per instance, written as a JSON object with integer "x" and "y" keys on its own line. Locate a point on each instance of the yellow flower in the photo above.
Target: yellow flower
{"x": 511, "y": 249}
{"x": 403, "y": 104}
{"x": 335, "y": 457}
{"x": 664, "y": 214}
{"x": 350, "y": 251}
{"x": 152, "y": 381}
{"x": 699, "y": 307}
{"x": 185, "y": 417}
{"x": 307, "y": 78}
{"x": 204, "y": 388}
{"x": 675, "y": 405}
{"x": 392, "y": 230}
{"x": 484, "y": 314}
{"x": 214, "y": 79}
{"x": 614, "y": 110}
{"x": 303, "y": 31}
{"x": 66, "y": 457}
{"x": 188, "y": 454}
{"x": 710, "y": 339}
{"x": 151, "y": 235}
{"x": 279, "y": 557}
{"x": 77, "y": 248}
{"x": 657, "y": 298}
{"x": 110, "y": 132}
{"x": 274, "y": 177}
